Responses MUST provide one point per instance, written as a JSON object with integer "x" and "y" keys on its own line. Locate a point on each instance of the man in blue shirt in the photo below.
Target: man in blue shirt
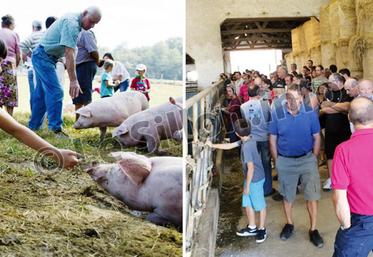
{"x": 59, "y": 40}
{"x": 295, "y": 143}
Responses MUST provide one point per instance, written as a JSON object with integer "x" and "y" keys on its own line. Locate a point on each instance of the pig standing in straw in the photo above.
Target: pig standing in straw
{"x": 110, "y": 111}
{"x": 145, "y": 184}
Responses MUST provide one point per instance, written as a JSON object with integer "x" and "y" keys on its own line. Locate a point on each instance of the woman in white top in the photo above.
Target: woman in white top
{"x": 119, "y": 73}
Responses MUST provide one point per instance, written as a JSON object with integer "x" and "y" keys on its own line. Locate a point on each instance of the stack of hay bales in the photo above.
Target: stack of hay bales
{"x": 311, "y": 31}
{"x": 306, "y": 43}
{"x": 361, "y": 44}
{"x": 344, "y": 36}
{"x": 297, "y": 41}
{"x": 327, "y": 47}
{"x": 347, "y": 27}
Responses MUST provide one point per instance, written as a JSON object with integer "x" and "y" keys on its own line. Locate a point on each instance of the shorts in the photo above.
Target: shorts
{"x": 290, "y": 170}
{"x": 332, "y": 140}
{"x": 85, "y": 73}
{"x": 255, "y": 198}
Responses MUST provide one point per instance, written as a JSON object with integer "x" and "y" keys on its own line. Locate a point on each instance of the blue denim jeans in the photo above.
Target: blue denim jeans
{"x": 30, "y": 76}
{"x": 124, "y": 85}
{"x": 48, "y": 95}
{"x": 356, "y": 240}
{"x": 263, "y": 150}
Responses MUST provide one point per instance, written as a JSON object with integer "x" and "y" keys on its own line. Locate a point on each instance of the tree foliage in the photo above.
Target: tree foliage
{"x": 163, "y": 59}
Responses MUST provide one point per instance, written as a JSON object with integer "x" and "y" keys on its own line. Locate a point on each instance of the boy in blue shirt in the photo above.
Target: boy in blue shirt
{"x": 107, "y": 87}
{"x": 253, "y": 192}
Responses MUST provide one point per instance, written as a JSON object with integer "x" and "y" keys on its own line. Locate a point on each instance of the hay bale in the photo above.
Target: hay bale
{"x": 328, "y": 52}
{"x": 334, "y": 21}
{"x": 364, "y": 10}
{"x": 342, "y": 54}
{"x": 311, "y": 31}
{"x": 368, "y": 63}
{"x": 315, "y": 54}
{"x": 296, "y": 40}
{"x": 324, "y": 24}
{"x": 361, "y": 44}
{"x": 347, "y": 19}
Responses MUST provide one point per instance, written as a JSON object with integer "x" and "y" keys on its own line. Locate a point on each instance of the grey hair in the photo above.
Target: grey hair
{"x": 93, "y": 11}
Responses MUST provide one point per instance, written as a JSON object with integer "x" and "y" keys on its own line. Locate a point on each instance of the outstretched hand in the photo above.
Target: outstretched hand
{"x": 69, "y": 158}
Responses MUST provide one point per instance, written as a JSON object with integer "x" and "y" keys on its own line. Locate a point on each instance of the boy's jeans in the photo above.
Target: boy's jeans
{"x": 48, "y": 94}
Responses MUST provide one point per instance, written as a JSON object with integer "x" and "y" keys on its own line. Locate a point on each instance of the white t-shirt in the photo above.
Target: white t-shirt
{"x": 119, "y": 69}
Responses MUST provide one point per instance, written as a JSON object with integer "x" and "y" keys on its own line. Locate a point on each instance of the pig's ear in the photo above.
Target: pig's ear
{"x": 136, "y": 167}
{"x": 84, "y": 112}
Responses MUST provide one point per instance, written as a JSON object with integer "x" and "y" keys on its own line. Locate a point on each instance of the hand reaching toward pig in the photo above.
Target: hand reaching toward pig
{"x": 69, "y": 158}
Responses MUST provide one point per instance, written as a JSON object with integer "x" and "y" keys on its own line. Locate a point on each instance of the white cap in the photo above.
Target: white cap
{"x": 141, "y": 67}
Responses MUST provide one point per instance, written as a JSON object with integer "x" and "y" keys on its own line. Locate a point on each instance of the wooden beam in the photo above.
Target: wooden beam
{"x": 259, "y": 37}
{"x": 256, "y": 48}
{"x": 265, "y": 30}
{"x": 301, "y": 19}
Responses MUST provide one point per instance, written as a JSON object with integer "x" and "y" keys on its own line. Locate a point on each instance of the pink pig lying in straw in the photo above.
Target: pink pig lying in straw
{"x": 145, "y": 184}
{"x": 164, "y": 121}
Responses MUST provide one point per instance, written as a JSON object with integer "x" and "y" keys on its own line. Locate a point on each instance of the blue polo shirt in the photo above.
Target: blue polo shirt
{"x": 294, "y": 133}
{"x": 62, "y": 33}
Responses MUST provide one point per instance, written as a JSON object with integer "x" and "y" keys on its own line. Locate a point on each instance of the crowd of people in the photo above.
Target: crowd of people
{"x": 298, "y": 121}
{"x": 68, "y": 43}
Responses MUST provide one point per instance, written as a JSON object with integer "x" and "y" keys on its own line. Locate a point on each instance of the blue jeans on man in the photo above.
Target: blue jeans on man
{"x": 48, "y": 95}
{"x": 263, "y": 150}
{"x": 30, "y": 76}
{"x": 356, "y": 240}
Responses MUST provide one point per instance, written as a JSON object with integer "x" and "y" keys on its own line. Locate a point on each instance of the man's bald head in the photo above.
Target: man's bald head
{"x": 365, "y": 88}
{"x": 361, "y": 112}
{"x": 91, "y": 16}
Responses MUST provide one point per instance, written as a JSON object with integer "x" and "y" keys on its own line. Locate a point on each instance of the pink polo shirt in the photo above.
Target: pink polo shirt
{"x": 353, "y": 171}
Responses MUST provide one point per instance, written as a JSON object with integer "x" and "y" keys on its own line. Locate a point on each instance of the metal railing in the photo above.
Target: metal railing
{"x": 201, "y": 110}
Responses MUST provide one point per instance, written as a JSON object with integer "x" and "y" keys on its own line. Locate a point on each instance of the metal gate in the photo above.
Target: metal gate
{"x": 202, "y": 113}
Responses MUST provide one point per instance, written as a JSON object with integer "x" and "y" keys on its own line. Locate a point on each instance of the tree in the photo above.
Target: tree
{"x": 163, "y": 59}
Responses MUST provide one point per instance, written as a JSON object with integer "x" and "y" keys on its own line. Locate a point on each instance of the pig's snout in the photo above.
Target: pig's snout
{"x": 91, "y": 168}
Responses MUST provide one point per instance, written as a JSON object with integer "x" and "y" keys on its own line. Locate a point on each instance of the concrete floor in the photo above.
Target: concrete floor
{"x": 232, "y": 218}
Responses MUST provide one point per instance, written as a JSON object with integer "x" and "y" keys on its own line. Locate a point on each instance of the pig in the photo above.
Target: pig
{"x": 110, "y": 111}
{"x": 151, "y": 126}
{"x": 145, "y": 184}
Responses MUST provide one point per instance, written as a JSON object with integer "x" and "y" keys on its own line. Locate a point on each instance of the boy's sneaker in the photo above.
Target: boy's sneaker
{"x": 247, "y": 232}
{"x": 261, "y": 235}
{"x": 287, "y": 231}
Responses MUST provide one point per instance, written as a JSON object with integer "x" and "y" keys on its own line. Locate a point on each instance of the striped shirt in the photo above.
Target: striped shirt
{"x": 30, "y": 43}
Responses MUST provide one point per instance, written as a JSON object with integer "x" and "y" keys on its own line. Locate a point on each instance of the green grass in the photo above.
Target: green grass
{"x": 160, "y": 92}
{"x": 65, "y": 213}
